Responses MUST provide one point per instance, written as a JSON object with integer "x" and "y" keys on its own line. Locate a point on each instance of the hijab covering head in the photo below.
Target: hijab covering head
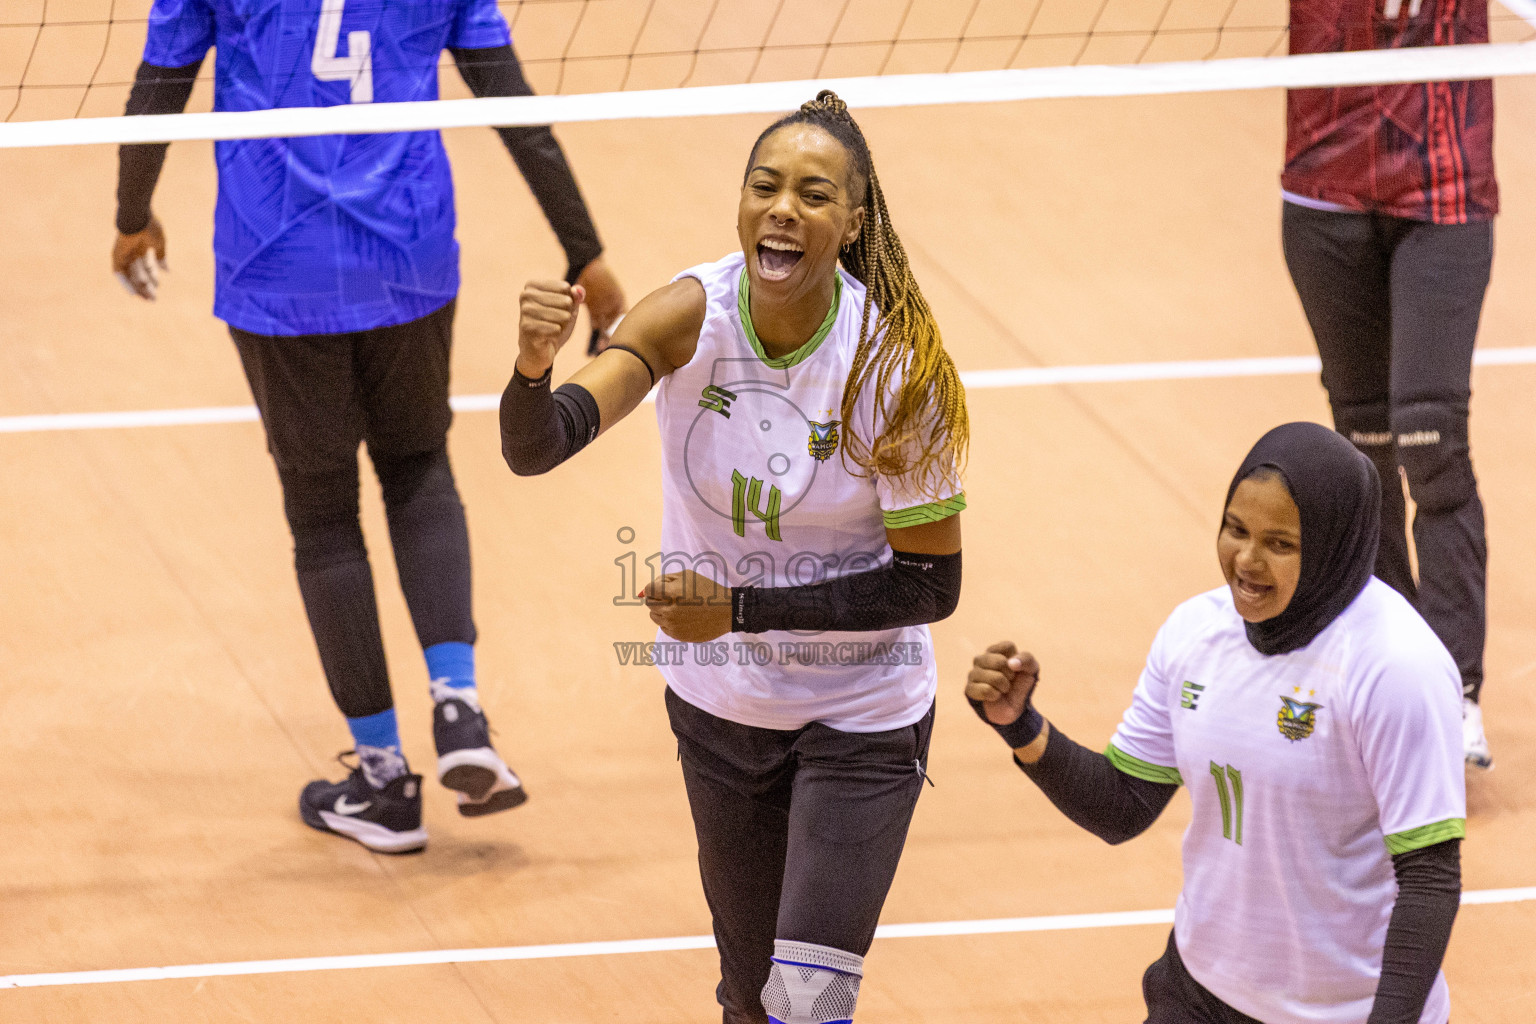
{"x": 1338, "y": 494}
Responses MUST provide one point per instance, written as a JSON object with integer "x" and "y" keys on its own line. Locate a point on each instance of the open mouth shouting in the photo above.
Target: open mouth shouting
{"x": 778, "y": 257}
{"x": 1251, "y": 592}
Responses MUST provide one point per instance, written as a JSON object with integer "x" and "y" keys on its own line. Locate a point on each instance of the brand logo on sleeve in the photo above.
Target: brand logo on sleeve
{"x": 1297, "y": 718}
{"x": 1191, "y": 698}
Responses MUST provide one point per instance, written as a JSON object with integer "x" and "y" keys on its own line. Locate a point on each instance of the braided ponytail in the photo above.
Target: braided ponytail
{"x": 926, "y": 431}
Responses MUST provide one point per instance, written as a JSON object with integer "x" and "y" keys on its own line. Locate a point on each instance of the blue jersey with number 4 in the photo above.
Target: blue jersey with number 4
{"x": 332, "y": 233}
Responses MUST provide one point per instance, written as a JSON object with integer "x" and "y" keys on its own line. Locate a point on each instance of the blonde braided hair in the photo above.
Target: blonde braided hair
{"x": 903, "y": 344}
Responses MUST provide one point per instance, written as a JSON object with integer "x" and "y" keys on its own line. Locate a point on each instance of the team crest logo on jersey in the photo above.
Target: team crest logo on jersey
{"x": 823, "y": 440}
{"x": 1297, "y": 718}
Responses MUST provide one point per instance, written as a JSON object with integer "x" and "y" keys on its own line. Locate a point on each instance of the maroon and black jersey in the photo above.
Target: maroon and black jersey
{"x": 1421, "y": 151}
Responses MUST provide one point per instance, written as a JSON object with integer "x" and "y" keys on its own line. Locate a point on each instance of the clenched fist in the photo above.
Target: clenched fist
{"x": 689, "y": 607}
{"x": 1002, "y": 679}
{"x": 547, "y": 317}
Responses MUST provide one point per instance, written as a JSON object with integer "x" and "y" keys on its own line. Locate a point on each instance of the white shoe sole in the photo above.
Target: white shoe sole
{"x": 373, "y": 835}
{"x": 482, "y": 779}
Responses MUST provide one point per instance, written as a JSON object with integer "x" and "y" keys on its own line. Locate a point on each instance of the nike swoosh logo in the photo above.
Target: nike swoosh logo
{"x": 345, "y": 807}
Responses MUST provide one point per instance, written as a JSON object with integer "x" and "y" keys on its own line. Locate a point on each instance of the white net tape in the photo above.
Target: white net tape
{"x": 1426, "y": 64}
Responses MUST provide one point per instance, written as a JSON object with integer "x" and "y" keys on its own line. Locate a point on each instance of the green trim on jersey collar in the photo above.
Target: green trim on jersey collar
{"x": 1426, "y": 835}
{"x": 1139, "y": 769}
{"x": 801, "y": 354}
{"x": 932, "y": 512}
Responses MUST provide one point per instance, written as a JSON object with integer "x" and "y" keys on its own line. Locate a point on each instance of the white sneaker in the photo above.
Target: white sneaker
{"x": 1474, "y": 744}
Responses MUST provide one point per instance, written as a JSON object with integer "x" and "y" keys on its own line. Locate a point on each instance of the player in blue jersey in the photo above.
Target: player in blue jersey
{"x": 337, "y": 271}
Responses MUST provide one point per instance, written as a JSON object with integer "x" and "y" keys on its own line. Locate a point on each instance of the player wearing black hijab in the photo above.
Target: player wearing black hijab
{"x": 1315, "y": 718}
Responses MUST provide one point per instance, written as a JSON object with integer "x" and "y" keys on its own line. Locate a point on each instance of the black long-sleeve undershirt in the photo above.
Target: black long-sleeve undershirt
{"x": 156, "y": 90}
{"x": 496, "y": 71}
{"x": 1419, "y": 930}
{"x": 1114, "y": 806}
{"x": 491, "y": 71}
{"x": 1087, "y": 788}
{"x": 911, "y": 590}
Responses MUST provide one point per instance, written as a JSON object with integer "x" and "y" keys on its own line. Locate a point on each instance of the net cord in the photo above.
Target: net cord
{"x": 1322, "y": 70}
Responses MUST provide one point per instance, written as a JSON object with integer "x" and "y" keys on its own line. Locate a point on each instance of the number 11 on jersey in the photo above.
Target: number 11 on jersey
{"x": 356, "y": 67}
{"x": 1230, "y": 801}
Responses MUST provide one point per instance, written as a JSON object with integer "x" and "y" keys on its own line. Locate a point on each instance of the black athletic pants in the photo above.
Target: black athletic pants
{"x": 799, "y": 835}
{"x": 1173, "y": 996}
{"x": 320, "y": 397}
{"x": 1394, "y": 306}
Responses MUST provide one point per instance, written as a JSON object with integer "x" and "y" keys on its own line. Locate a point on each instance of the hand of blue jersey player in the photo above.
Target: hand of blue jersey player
{"x": 131, "y": 260}
{"x": 605, "y": 298}
{"x": 1003, "y": 679}
{"x": 689, "y": 607}
{"x": 546, "y": 318}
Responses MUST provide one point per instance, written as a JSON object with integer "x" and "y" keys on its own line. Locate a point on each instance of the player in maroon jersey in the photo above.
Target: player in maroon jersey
{"x": 1388, "y": 231}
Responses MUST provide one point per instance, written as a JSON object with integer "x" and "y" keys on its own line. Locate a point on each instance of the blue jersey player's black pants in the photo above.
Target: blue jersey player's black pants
{"x": 320, "y": 397}
{"x": 1394, "y": 306}
{"x": 799, "y": 832}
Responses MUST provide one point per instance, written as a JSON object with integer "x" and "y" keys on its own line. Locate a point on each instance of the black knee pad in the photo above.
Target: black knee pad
{"x": 1432, "y": 448}
{"x": 1368, "y": 426}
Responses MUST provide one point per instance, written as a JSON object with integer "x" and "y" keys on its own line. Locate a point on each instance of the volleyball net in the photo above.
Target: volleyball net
{"x": 66, "y": 65}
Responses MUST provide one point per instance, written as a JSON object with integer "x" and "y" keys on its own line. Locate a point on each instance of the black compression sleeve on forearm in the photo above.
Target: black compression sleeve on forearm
{"x": 1087, "y": 788}
{"x": 540, "y": 430}
{"x": 495, "y": 71}
{"x": 1428, "y": 896}
{"x": 156, "y": 90}
{"x": 911, "y": 590}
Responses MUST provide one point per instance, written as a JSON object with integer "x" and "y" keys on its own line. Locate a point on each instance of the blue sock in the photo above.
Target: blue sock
{"x": 451, "y": 667}
{"x": 380, "y": 730}
{"x": 377, "y": 738}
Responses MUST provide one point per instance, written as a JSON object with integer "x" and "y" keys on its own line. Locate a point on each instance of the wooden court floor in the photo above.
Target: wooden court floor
{"x": 161, "y": 702}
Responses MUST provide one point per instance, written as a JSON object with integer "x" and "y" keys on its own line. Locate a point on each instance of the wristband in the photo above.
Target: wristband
{"x": 1020, "y": 732}
{"x": 542, "y": 381}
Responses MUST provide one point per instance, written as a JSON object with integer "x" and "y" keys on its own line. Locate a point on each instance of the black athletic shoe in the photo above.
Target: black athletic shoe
{"x": 386, "y": 820}
{"x": 467, "y": 763}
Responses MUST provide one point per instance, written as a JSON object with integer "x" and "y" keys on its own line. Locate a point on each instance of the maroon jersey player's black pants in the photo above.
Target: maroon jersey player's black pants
{"x": 1394, "y": 306}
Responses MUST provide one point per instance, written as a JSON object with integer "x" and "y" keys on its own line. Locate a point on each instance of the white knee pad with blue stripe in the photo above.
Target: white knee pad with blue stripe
{"x": 811, "y": 984}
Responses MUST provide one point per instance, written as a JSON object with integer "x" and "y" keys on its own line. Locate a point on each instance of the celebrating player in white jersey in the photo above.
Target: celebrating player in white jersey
{"x": 811, "y": 428}
{"x": 1315, "y": 718}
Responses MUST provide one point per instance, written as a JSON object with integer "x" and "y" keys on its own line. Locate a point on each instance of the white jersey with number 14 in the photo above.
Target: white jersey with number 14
{"x": 756, "y": 493}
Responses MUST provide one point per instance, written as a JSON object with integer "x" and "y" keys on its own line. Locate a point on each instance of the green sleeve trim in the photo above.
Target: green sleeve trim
{"x": 929, "y": 513}
{"x": 1137, "y": 768}
{"x": 799, "y": 355}
{"x": 1426, "y": 835}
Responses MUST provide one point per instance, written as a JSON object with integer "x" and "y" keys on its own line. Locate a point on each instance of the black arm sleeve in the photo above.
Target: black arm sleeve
{"x": 495, "y": 71}
{"x": 540, "y": 430}
{"x": 1094, "y": 793}
{"x": 1428, "y": 896}
{"x": 156, "y": 90}
{"x": 911, "y": 590}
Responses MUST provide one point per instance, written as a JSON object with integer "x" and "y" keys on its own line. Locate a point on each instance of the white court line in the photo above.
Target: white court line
{"x": 1017, "y": 377}
{"x": 994, "y": 926}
